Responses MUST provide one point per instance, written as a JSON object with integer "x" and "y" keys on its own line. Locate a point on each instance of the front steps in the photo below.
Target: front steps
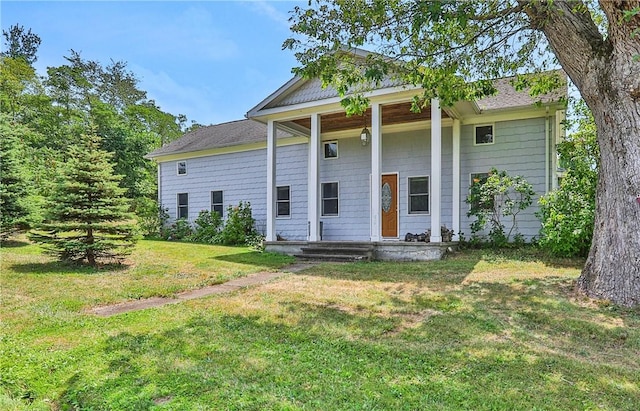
{"x": 337, "y": 251}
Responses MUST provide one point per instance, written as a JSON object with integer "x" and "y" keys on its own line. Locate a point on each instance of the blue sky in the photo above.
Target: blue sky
{"x": 209, "y": 60}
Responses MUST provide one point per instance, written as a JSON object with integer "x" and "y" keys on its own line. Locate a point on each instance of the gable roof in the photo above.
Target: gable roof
{"x": 233, "y": 133}
{"x": 299, "y": 90}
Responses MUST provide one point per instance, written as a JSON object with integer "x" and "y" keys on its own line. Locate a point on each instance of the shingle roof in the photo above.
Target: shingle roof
{"x": 233, "y": 133}
{"x": 302, "y": 91}
{"x": 508, "y": 97}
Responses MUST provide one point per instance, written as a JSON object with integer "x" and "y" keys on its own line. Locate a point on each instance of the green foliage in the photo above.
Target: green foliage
{"x": 207, "y": 228}
{"x": 87, "y": 216}
{"x": 495, "y": 199}
{"x": 21, "y": 44}
{"x": 151, "y": 217}
{"x": 178, "y": 230}
{"x": 239, "y": 226}
{"x": 13, "y": 189}
{"x": 568, "y": 213}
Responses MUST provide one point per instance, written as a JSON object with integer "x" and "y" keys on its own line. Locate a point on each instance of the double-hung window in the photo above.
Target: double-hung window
{"x": 329, "y": 199}
{"x": 183, "y": 205}
{"x": 217, "y": 202}
{"x": 419, "y": 195}
{"x": 283, "y": 201}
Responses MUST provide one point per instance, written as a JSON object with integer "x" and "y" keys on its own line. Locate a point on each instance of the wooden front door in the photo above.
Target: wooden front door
{"x": 389, "y": 196}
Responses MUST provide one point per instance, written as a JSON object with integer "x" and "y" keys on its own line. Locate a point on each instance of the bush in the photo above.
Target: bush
{"x": 239, "y": 227}
{"x": 179, "y": 230}
{"x": 497, "y": 198}
{"x": 207, "y": 228}
{"x": 568, "y": 213}
{"x": 151, "y": 217}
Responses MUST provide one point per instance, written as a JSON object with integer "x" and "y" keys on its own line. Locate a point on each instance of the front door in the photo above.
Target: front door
{"x": 389, "y": 195}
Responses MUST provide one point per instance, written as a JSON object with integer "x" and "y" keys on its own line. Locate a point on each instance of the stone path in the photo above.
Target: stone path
{"x": 229, "y": 286}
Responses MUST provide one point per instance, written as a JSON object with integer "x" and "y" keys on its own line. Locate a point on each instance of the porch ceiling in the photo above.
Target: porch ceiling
{"x": 391, "y": 114}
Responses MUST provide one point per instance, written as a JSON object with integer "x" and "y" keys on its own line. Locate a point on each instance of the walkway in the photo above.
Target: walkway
{"x": 229, "y": 286}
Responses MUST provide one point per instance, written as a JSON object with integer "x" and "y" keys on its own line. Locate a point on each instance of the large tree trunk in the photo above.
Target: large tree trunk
{"x": 609, "y": 81}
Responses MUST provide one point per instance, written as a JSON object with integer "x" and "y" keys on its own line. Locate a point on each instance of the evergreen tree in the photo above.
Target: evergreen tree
{"x": 12, "y": 185}
{"x": 87, "y": 216}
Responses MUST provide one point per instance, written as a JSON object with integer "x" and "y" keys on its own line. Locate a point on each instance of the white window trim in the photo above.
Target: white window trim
{"x": 322, "y": 200}
{"x": 212, "y": 203}
{"x": 186, "y": 171}
{"x": 283, "y": 217}
{"x": 324, "y": 152}
{"x": 409, "y": 213}
{"x": 178, "y": 206}
{"x": 475, "y": 128}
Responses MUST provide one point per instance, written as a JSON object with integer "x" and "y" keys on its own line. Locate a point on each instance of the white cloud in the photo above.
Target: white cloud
{"x": 267, "y": 9}
{"x": 176, "y": 98}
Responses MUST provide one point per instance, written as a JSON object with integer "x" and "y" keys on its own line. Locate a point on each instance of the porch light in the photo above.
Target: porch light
{"x": 365, "y": 136}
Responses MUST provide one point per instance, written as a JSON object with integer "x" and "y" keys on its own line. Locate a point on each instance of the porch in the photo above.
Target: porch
{"x": 362, "y": 250}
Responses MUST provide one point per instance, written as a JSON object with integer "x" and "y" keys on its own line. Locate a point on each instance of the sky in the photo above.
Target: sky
{"x": 209, "y": 60}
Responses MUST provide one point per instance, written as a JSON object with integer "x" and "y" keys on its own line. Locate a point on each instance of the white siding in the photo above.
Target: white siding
{"x": 519, "y": 149}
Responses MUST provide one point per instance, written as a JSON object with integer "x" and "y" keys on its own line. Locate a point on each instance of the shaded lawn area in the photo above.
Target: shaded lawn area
{"x": 479, "y": 330}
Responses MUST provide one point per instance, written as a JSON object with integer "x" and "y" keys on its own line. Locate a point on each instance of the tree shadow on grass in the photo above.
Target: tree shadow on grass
{"x": 256, "y": 258}
{"x": 250, "y": 362}
{"x": 58, "y": 267}
{"x": 13, "y": 244}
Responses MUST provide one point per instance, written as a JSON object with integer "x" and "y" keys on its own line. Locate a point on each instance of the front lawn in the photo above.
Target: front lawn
{"x": 479, "y": 330}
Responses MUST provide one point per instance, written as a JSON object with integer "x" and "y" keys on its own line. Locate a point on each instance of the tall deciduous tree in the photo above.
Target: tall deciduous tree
{"x": 88, "y": 216}
{"x": 443, "y": 45}
{"x": 21, "y": 44}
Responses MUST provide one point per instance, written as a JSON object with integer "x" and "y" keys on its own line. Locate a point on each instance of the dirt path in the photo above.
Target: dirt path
{"x": 229, "y": 286}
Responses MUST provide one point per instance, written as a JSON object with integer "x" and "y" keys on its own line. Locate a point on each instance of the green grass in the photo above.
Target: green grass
{"x": 480, "y": 330}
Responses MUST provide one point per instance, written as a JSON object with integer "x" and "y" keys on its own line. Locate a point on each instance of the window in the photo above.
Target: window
{"x": 418, "y": 195}
{"x": 331, "y": 149}
{"x": 283, "y": 202}
{"x": 329, "y": 199}
{"x": 484, "y": 134}
{"x": 477, "y": 180}
{"x": 183, "y": 205}
{"x": 182, "y": 168}
{"x": 217, "y": 203}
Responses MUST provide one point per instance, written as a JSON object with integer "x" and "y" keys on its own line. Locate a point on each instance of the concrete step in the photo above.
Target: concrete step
{"x": 333, "y": 257}
{"x": 337, "y": 250}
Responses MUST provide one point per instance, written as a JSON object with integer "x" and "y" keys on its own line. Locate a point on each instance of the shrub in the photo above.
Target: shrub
{"x": 207, "y": 228}
{"x": 497, "y": 198}
{"x": 239, "y": 226}
{"x": 151, "y": 217}
{"x": 568, "y": 213}
{"x": 179, "y": 230}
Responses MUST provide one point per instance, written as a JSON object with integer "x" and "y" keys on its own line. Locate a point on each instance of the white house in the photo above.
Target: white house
{"x": 406, "y": 172}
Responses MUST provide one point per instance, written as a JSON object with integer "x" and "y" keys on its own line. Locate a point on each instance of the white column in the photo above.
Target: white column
{"x": 376, "y": 172}
{"x": 436, "y": 169}
{"x": 455, "y": 198}
{"x": 559, "y": 137}
{"x": 271, "y": 180}
{"x": 313, "y": 186}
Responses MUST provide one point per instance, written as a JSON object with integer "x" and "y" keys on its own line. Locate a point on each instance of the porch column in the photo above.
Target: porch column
{"x": 436, "y": 169}
{"x": 271, "y": 180}
{"x": 313, "y": 186}
{"x": 376, "y": 176}
{"x": 455, "y": 198}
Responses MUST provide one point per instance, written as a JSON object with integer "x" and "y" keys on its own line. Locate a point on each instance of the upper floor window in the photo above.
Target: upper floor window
{"x": 484, "y": 134}
{"x": 182, "y": 168}
{"x": 330, "y": 149}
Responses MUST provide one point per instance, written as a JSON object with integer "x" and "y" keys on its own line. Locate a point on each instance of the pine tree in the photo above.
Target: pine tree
{"x": 12, "y": 185}
{"x": 87, "y": 216}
